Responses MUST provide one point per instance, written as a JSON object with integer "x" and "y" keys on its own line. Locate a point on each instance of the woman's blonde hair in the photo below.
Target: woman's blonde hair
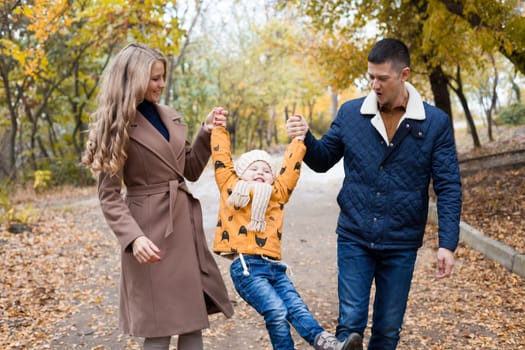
{"x": 124, "y": 84}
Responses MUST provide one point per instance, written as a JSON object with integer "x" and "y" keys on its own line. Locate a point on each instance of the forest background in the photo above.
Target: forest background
{"x": 261, "y": 60}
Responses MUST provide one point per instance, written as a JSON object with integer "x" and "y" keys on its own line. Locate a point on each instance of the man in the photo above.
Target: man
{"x": 393, "y": 145}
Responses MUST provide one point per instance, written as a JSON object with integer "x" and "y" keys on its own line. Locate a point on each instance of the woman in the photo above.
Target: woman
{"x": 170, "y": 281}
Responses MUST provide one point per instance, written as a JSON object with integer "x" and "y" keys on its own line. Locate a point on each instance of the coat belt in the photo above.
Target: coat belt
{"x": 172, "y": 188}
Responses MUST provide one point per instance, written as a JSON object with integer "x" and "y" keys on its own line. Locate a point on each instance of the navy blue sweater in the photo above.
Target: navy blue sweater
{"x": 149, "y": 111}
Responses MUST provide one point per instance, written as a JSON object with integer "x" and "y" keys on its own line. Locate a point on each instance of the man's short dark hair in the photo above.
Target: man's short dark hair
{"x": 392, "y": 50}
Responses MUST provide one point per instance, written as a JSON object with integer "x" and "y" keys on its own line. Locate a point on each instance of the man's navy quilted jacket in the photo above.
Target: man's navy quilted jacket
{"x": 384, "y": 197}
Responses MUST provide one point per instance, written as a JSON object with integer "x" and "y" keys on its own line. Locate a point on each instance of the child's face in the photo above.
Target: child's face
{"x": 258, "y": 171}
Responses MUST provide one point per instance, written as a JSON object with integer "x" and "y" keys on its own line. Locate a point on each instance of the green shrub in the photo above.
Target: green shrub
{"x": 5, "y": 202}
{"x": 59, "y": 172}
{"x": 70, "y": 172}
{"x": 11, "y": 213}
{"x": 42, "y": 179}
{"x": 513, "y": 114}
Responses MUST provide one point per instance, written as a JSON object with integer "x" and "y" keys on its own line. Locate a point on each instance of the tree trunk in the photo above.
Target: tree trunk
{"x": 439, "y": 85}
{"x": 494, "y": 99}
{"x": 287, "y": 113}
{"x": 470, "y": 119}
{"x": 271, "y": 129}
{"x": 515, "y": 87}
{"x": 464, "y": 103}
{"x": 174, "y": 62}
{"x": 260, "y": 135}
{"x": 8, "y": 148}
{"x": 311, "y": 105}
{"x": 81, "y": 128}
{"x": 7, "y": 158}
{"x": 234, "y": 116}
{"x": 8, "y": 142}
{"x": 169, "y": 79}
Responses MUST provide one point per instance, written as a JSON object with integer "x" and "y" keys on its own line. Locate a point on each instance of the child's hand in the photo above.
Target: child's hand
{"x": 296, "y": 127}
{"x": 216, "y": 118}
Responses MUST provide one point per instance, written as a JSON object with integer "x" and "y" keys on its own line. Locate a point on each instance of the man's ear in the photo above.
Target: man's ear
{"x": 405, "y": 72}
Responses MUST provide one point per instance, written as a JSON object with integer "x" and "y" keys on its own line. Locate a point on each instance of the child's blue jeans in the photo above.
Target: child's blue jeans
{"x": 269, "y": 290}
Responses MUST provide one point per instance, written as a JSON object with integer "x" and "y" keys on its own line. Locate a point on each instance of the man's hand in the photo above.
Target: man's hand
{"x": 445, "y": 263}
{"x": 296, "y": 126}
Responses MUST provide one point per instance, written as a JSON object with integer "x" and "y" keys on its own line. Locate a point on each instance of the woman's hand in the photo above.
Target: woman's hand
{"x": 145, "y": 251}
{"x": 216, "y": 118}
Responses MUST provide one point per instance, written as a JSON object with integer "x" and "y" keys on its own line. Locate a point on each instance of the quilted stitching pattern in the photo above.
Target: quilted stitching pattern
{"x": 385, "y": 204}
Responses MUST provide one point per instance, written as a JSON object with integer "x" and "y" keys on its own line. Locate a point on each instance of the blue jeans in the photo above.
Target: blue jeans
{"x": 269, "y": 290}
{"x": 392, "y": 271}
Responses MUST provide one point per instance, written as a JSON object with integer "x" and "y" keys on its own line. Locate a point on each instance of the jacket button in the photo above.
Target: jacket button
{"x": 375, "y": 219}
{"x": 378, "y": 194}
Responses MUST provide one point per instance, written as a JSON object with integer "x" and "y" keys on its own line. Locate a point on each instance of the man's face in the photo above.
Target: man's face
{"x": 387, "y": 82}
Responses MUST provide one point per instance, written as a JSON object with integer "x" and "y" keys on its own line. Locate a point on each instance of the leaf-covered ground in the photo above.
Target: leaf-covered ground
{"x": 494, "y": 200}
{"x": 59, "y": 282}
{"x": 494, "y": 203}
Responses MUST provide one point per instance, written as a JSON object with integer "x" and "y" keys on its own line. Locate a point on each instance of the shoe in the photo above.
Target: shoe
{"x": 353, "y": 342}
{"x": 327, "y": 341}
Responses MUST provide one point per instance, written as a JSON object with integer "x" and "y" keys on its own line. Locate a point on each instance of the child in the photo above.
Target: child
{"x": 249, "y": 231}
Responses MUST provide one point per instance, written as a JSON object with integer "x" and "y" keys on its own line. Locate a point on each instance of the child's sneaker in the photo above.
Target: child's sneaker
{"x": 353, "y": 342}
{"x": 327, "y": 341}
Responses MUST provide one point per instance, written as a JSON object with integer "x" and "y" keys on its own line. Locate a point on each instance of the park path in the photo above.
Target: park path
{"x": 309, "y": 249}
{"x": 481, "y": 307}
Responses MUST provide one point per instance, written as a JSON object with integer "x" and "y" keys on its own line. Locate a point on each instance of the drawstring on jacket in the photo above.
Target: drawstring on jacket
{"x": 245, "y": 271}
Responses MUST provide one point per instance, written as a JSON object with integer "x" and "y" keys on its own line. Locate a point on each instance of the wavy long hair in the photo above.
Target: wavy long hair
{"x": 124, "y": 84}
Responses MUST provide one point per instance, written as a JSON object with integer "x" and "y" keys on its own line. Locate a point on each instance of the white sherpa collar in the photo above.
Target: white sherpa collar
{"x": 414, "y": 110}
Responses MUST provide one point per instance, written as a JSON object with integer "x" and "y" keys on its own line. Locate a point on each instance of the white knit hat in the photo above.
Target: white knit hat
{"x": 246, "y": 159}
{"x": 240, "y": 196}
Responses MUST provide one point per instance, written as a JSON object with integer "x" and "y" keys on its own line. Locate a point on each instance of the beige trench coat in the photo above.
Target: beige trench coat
{"x": 175, "y": 295}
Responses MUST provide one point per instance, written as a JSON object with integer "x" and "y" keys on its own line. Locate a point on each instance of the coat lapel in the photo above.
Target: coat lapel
{"x": 144, "y": 133}
{"x": 176, "y": 129}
